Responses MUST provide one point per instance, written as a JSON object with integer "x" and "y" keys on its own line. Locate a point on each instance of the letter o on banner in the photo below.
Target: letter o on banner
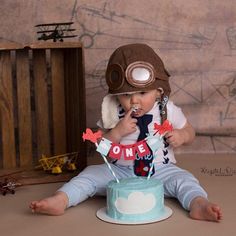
{"x": 115, "y": 151}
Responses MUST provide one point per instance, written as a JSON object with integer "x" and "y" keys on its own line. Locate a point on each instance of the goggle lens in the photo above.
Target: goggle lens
{"x": 140, "y": 74}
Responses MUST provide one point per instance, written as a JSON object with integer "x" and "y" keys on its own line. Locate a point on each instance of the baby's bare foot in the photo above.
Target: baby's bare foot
{"x": 202, "y": 209}
{"x": 54, "y": 205}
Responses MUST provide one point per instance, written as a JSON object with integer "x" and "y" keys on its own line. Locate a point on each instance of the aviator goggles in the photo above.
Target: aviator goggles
{"x": 138, "y": 74}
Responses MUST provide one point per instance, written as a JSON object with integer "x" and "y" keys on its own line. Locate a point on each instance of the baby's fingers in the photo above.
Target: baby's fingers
{"x": 129, "y": 113}
{"x": 168, "y": 135}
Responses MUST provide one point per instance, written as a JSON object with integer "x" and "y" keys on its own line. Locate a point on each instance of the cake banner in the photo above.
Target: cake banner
{"x": 129, "y": 151}
{"x": 142, "y": 148}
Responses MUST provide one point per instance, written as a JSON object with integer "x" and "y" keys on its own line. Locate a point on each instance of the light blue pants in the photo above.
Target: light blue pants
{"x": 93, "y": 180}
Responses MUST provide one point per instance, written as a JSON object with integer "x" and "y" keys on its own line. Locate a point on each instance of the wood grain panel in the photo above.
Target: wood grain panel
{"x": 6, "y": 111}
{"x": 41, "y": 102}
{"x": 75, "y": 102}
{"x": 24, "y": 107}
{"x": 58, "y": 101}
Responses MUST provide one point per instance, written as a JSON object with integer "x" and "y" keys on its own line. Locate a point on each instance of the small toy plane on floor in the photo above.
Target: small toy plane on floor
{"x": 8, "y": 186}
{"x": 55, "y": 31}
{"x": 55, "y": 164}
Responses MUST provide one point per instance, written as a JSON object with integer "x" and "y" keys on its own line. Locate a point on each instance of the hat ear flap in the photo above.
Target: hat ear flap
{"x": 110, "y": 116}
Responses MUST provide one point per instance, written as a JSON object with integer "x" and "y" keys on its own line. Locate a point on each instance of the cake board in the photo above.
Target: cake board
{"x": 102, "y": 215}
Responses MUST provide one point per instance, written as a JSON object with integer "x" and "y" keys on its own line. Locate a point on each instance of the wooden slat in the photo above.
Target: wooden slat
{"x": 30, "y": 176}
{"x": 75, "y": 103}
{"x": 58, "y": 101}
{"x": 10, "y": 46}
{"x": 24, "y": 107}
{"x": 6, "y": 111}
{"x": 41, "y": 102}
{"x": 54, "y": 45}
{"x": 81, "y": 114}
{"x": 70, "y": 103}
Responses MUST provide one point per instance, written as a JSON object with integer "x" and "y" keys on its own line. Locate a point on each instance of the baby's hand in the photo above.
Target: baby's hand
{"x": 175, "y": 138}
{"x": 126, "y": 125}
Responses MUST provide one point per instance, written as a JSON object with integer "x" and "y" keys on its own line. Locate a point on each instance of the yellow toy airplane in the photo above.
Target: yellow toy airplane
{"x": 55, "y": 164}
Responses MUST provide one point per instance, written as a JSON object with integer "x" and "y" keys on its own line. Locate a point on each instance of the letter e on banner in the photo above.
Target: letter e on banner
{"x": 142, "y": 148}
{"x": 129, "y": 152}
{"x": 115, "y": 151}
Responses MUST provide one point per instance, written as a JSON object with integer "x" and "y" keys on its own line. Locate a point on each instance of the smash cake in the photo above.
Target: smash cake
{"x": 135, "y": 200}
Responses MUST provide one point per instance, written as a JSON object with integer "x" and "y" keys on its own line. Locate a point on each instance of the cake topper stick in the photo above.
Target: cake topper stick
{"x": 158, "y": 143}
{"x": 162, "y": 130}
{"x": 109, "y": 166}
{"x": 93, "y": 137}
{"x": 150, "y": 170}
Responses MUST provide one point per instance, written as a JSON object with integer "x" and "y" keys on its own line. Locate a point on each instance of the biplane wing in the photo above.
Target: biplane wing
{"x": 50, "y": 31}
{"x": 55, "y": 31}
{"x": 53, "y": 24}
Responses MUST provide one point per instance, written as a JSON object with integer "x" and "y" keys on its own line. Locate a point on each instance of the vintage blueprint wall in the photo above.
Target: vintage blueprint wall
{"x": 196, "y": 40}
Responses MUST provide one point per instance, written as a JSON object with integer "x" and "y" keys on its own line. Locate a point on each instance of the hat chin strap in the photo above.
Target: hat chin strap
{"x": 110, "y": 111}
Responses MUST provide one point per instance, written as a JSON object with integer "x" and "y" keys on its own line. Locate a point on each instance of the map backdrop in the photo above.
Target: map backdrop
{"x": 196, "y": 40}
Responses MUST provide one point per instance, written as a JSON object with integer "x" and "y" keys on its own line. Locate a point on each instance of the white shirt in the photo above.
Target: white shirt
{"x": 175, "y": 117}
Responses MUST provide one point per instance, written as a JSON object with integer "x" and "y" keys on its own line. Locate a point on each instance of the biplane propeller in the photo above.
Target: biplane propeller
{"x": 55, "y": 31}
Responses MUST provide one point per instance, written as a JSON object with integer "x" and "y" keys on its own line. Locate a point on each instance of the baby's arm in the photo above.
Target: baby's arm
{"x": 178, "y": 137}
{"x": 125, "y": 126}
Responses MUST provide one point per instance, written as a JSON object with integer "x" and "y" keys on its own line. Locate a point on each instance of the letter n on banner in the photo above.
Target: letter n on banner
{"x": 115, "y": 151}
{"x": 129, "y": 152}
{"x": 142, "y": 148}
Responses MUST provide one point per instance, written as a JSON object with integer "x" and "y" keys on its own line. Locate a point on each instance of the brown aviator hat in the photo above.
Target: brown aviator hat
{"x": 132, "y": 68}
{"x": 128, "y": 60}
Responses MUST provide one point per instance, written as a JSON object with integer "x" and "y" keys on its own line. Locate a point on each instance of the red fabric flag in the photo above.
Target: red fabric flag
{"x": 115, "y": 151}
{"x": 142, "y": 148}
{"x": 129, "y": 152}
{"x": 93, "y": 137}
{"x": 165, "y": 127}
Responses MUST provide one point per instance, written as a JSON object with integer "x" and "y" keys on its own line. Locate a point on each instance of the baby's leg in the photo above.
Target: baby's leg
{"x": 186, "y": 188}
{"x": 90, "y": 181}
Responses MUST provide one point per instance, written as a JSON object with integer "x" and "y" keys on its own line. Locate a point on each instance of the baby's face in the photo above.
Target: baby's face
{"x": 140, "y": 102}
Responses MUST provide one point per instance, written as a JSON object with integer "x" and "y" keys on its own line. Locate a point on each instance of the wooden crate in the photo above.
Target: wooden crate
{"x": 42, "y": 102}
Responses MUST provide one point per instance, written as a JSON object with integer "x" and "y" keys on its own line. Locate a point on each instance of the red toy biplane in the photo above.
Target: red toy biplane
{"x": 55, "y": 31}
